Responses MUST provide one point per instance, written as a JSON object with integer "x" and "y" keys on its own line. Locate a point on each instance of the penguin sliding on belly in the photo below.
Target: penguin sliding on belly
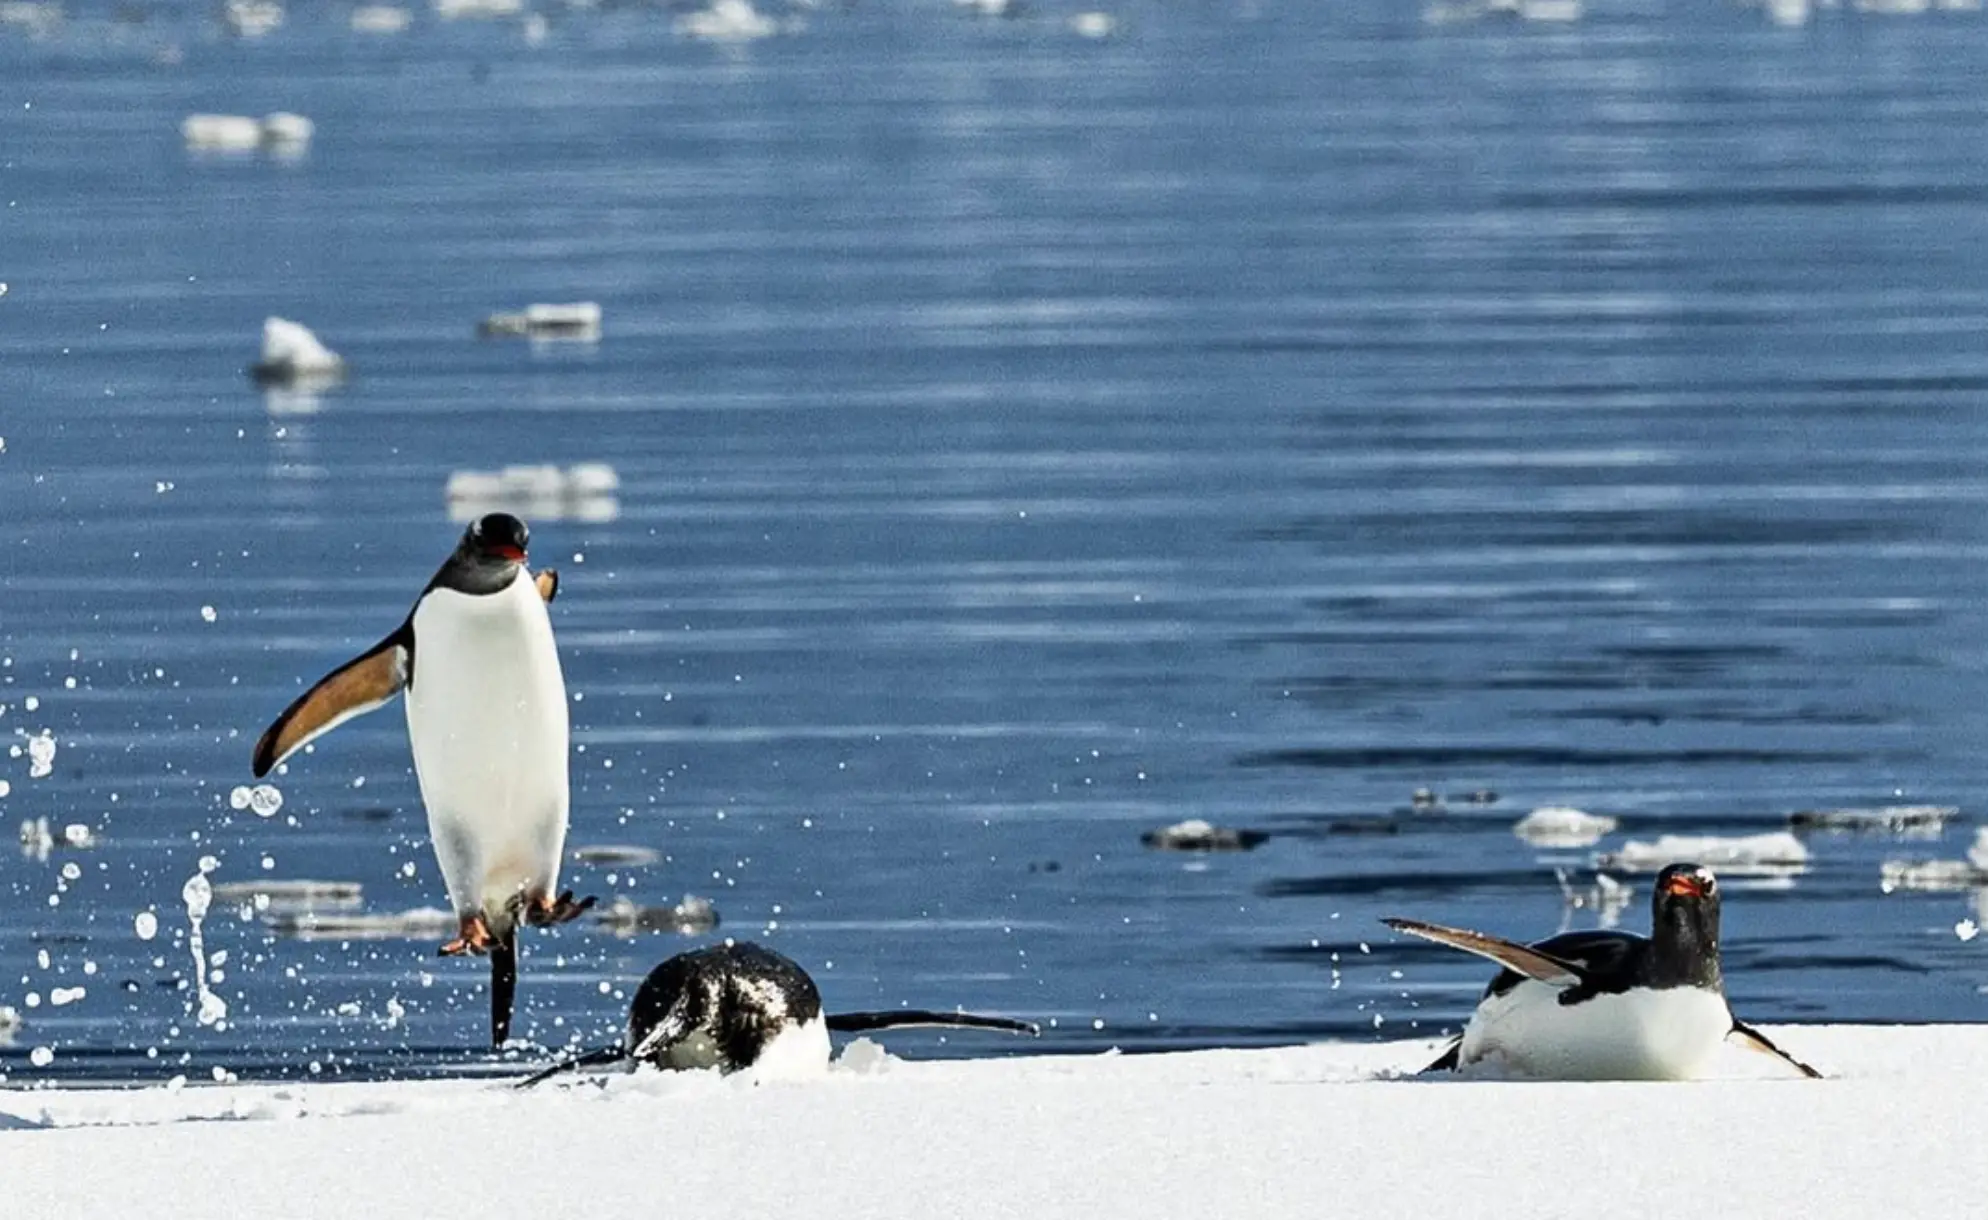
{"x": 486, "y": 716}
{"x": 736, "y": 1005}
{"x": 1607, "y": 1005}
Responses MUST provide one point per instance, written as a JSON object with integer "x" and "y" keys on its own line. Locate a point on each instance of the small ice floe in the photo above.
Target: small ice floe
{"x": 989, "y": 8}
{"x": 380, "y": 19}
{"x": 36, "y": 18}
{"x": 281, "y": 132}
{"x": 294, "y": 894}
{"x": 1774, "y": 854}
{"x": 457, "y": 10}
{"x": 1562, "y": 826}
{"x": 1195, "y": 834}
{"x": 1607, "y": 897}
{"x": 626, "y": 917}
{"x": 1914, "y": 820}
{"x": 727, "y": 21}
{"x": 41, "y": 755}
{"x": 1093, "y": 25}
{"x": 616, "y": 855}
{"x": 1425, "y": 799}
{"x": 1936, "y": 876}
{"x": 578, "y": 322}
{"x": 585, "y": 492}
{"x": 252, "y": 18}
{"x": 292, "y": 356}
{"x": 38, "y": 838}
{"x": 421, "y": 923}
{"x": 1449, "y": 12}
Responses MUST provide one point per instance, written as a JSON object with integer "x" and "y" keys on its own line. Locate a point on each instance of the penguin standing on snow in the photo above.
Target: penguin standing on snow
{"x": 737, "y": 1005}
{"x": 1607, "y": 1005}
{"x": 486, "y": 715}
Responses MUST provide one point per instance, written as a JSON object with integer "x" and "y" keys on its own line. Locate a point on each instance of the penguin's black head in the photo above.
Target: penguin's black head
{"x": 1685, "y": 922}
{"x": 498, "y": 537}
{"x": 718, "y": 1007}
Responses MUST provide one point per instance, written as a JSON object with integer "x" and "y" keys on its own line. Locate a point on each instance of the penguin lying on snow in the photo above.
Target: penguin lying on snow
{"x": 1607, "y": 1005}
{"x": 738, "y": 1004}
{"x": 486, "y": 715}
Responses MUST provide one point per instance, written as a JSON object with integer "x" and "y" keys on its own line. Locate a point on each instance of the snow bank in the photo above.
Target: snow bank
{"x": 1301, "y": 1132}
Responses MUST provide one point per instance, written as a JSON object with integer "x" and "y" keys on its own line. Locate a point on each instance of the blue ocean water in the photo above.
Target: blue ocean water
{"x": 1024, "y": 441}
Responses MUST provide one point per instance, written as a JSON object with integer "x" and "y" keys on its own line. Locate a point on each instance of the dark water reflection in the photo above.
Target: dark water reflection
{"x": 1024, "y": 441}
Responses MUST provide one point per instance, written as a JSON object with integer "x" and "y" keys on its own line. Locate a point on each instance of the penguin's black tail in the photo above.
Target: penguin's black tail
{"x": 862, "y": 1022}
{"x": 503, "y": 984}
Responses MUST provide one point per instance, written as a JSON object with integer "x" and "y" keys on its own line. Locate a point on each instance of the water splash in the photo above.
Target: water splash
{"x": 199, "y": 895}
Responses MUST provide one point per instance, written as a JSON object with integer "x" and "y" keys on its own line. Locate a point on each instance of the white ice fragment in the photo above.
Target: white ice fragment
{"x": 238, "y": 798}
{"x": 145, "y": 924}
{"x": 1562, "y": 826}
{"x": 292, "y": 355}
{"x": 1093, "y": 25}
{"x": 221, "y": 132}
{"x": 380, "y": 19}
{"x": 252, "y": 18}
{"x": 72, "y": 871}
{"x": 1967, "y": 930}
{"x": 585, "y": 492}
{"x": 349, "y": 1008}
{"x": 1977, "y": 855}
{"x": 41, "y": 1056}
{"x": 65, "y": 995}
{"x": 575, "y": 322}
{"x": 208, "y": 614}
{"x": 1771, "y": 854}
{"x": 450, "y": 10}
{"x": 41, "y": 755}
{"x": 727, "y": 21}
{"x": 5, "y": 787}
{"x": 265, "y": 799}
{"x": 75, "y": 834}
{"x": 283, "y": 128}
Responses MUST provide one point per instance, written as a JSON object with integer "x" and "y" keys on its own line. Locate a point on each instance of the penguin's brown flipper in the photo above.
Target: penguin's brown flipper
{"x": 503, "y": 985}
{"x": 545, "y": 910}
{"x": 354, "y": 688}
{"x": 1754, "y": 1040}
{"x": 548, "y": 584}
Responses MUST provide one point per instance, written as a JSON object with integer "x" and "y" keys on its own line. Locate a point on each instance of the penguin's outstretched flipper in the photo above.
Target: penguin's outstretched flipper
{"x": 548, "y": 584}
{"x": 353, "y": 689}
{"x": 861, "y": 1022}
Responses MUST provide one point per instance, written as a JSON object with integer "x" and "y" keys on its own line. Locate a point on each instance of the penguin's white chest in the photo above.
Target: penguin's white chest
{"x": 486, "y": 714}
{"x": 1669, "y": 1034}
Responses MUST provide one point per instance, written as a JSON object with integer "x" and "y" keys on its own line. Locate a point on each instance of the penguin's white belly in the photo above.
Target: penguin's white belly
{"x": 1669, "y": 1034}
{"x": 486, "y": 714}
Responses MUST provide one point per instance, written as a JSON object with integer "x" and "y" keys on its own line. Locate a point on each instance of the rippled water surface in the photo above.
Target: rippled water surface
{"x": 1024, "y": 441}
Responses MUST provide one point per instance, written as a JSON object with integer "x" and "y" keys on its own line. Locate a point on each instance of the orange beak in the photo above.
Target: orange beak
{"x": 1686, "y": 885}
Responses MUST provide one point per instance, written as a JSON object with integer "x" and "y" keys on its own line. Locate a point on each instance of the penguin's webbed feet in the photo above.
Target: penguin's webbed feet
{"x": 545, "y": 910}
{"x": 473, "y": 937}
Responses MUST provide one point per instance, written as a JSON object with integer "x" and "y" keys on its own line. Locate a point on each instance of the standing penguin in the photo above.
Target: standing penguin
{"x": 486, "y": 715}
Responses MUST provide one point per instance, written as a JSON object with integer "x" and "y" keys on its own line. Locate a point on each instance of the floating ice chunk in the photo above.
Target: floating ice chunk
{"x": 238, "y": 798}
{"x": 452, "y": 10}
{"x": 283, "y": 130}
{"x": 727, "y": 21}
{"x": 41, "y": 755}
{"x": 1776, "y": 853}
{"x": 609, "y": 854}
{"x": 298, "y": 894}
{"x": 1892, "y": 819}
{"x": 1562, "y": 826}
{"x": 1966, "y": 930}
{"x": 59, "y": 996}
{"x": 291, "y": 354}
{"x": 42, "y": 1056}
{"x": 989, "y": 8}
{"x": 381, "y": 19}
{"x": 421, "y": 923}
{"x": 1977, "y": 855}
{"x": 1094, "y": 25}
{"x": 1929, "y": 875}
{"x": 5, "y": 788}
{"x": 585, "y": 492}
{"x": 145, "y": 924}
{"x": 624, "y": 917}
{"x": 252, "y": 18}
{"x": 577, "y": 322}
{"x": 265, "y": 800}
{"x": 1195, "y": 834}
{"x": 36, "y": 838}
{"x": 77, "y": 835}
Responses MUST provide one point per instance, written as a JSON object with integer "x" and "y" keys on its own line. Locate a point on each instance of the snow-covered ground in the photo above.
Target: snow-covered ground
{"x": 1309, "y": 1132}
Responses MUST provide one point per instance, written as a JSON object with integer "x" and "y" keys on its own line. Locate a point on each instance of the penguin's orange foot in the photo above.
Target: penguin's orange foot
{"x": 545, "y": 910}
{"x": 473, "y": 937}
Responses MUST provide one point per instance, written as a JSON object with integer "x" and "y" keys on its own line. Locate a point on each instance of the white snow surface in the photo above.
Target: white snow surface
{"x": 1305, "y": 1132}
